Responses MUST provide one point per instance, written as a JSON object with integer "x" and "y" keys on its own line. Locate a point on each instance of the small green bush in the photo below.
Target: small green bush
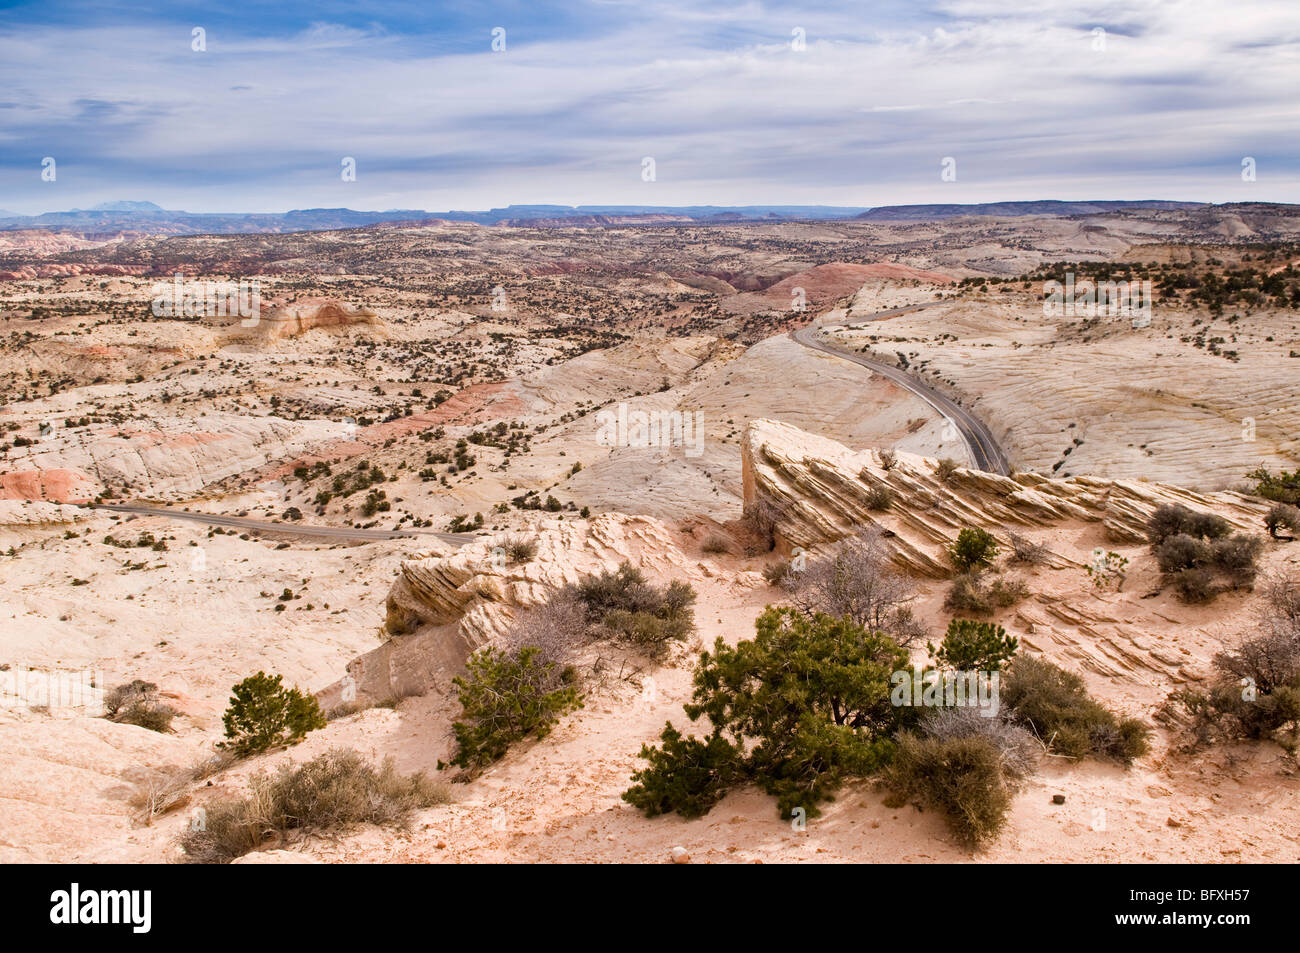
{"x": 805, "y": 705}
{"x": 1283, "y": 488}
{"x": 685, "y": 775}
{"x": 264, "y": 714}
{"x": 971, "y": 646}
{"x": 973, "y": 549}
{"x": 506, "y": 697}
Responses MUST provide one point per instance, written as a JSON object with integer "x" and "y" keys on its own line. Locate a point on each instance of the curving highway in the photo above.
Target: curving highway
{"x": 984, "y": 449}
{"x": 289, "y": 529}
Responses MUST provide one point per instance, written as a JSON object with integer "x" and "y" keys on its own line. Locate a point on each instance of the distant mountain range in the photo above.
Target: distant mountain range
{"x": 901, "y": 213}
{"x": 147, "y": 218}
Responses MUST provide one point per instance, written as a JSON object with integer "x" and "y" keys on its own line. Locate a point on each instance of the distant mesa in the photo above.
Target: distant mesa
{"x": 126, "y": 207}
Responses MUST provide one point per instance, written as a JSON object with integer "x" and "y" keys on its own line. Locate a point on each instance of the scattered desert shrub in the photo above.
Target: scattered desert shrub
{"x": 556, "y": 628}
{"x": 1193, "y": 549}
{"x": 888, "y": 458}
{"x": 945, "y": 468}
{"x": 1237, "y": 555}
{"x": 802, "y": 706}
{"x": 1280, "y": 612}
{"x": 781, "y": 573}
{"x": 624, "y": 606}
{"x": 968, "y": 593}
{"x": 961, "y": 778}
{"x": 1180, "y": 551}
{"x": 520, "y": 549}
{"x": 1018, "y": 749}
{"x": 1025, "y": 550}
{"x": 972, "y": 549}
{"x": 506, "y": 697}
{"x": 1195, "y": 585}
{"x": 1175, "y": 519}
{"x": 973, "y": 592}
{"x": 1056, "y": 706}
{"x": 137, "y": 703}
{"x": 858, "y": 581}
{"x": 716, "y": 543}
{"x": 332, "y": 792}
{"x": 1256, "y": 689}
{"x": 971, "y": 646}
{"x": 1282, "y": 516}
{"x": 879, "y": 498}
{"x": 264, "y": 714}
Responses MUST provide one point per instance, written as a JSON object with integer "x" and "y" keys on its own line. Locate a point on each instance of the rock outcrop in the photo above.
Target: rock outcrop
{"x": 290, "y": 319}
{"x": 817, "y": 491}
{"x": 165, "y": 458}
{"x": 444, "y": 606}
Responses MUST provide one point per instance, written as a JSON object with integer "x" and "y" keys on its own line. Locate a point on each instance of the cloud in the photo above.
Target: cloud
{"x": 1030, "y": 107}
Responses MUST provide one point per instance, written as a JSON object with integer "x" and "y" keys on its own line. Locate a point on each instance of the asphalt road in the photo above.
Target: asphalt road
{"x": 289, "y": 529}
{"x": 984, "y": 449}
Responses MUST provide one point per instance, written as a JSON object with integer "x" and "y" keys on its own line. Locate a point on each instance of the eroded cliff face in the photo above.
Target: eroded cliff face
{"x": 816, "y": 491}
{"x": 289, "y": 319}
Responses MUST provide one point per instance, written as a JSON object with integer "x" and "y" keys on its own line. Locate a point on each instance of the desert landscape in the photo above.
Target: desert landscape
{"x": 570, "y": 454}
{"x": 671, "y": 434}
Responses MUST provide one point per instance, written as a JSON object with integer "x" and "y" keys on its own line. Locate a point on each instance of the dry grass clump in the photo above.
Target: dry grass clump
{"x": 165, "y": 791}
{"x": 974, "y": 592}
{"x": 962, "y": 777}
{"x": 333, "y": 792}
{"x": 520, "y": 549}
{"x": 716, "y": 543}
{"x": 137, "y": 703}
{"x": 1025, "y": 550}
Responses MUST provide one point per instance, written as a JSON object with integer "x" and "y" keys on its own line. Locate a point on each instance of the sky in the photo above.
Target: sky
{"x": 737, "y": 102}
